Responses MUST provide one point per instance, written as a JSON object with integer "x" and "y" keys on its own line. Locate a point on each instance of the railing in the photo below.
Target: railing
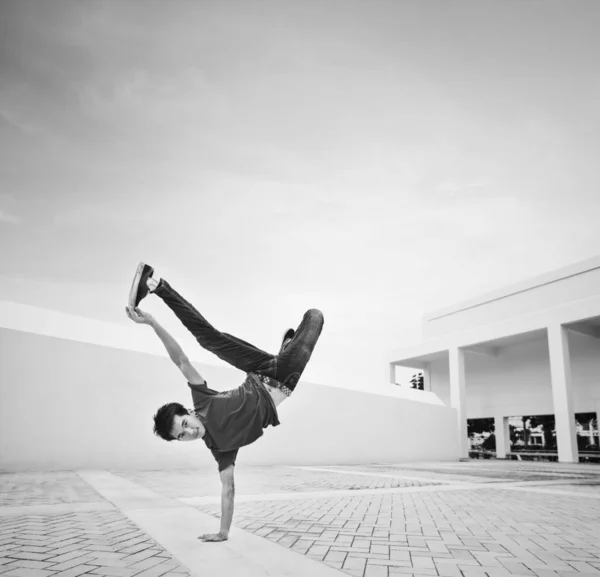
{"x": 481, "y": 454}
{"x": 532, "y": 455}
{"x": 584, "y": 456}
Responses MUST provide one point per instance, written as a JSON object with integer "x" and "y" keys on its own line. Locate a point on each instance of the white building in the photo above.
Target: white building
{"x": 528, "y": 349}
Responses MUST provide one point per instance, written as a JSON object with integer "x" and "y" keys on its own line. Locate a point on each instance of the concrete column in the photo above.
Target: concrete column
{"x": 502, "y": 434}
{"x": 392, "y": 373}
{"x": 597, "y": 441}
{"x": 562, "y": 394}
{"x": 458, "y": 398}
{"x": 426, "y": 378}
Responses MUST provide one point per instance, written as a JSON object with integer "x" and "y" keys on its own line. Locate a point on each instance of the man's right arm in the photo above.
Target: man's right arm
{"x": 177, "y": 355}
{"x": 175, "y": 352}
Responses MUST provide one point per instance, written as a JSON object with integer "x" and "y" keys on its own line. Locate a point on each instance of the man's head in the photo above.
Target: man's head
{"x": 174, "y": 422}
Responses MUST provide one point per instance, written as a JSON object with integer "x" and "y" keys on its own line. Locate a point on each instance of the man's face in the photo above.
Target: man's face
{"x": 187, "y": 428}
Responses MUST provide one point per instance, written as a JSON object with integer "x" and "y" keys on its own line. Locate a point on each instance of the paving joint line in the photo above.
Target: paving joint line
{"x": 56, "y": 509}
{"x": 376, "y": 474}
{"x": 530, "y": 486}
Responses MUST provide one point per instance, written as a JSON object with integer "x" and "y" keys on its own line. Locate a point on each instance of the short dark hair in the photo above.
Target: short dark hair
{"x": 163, "y": 420}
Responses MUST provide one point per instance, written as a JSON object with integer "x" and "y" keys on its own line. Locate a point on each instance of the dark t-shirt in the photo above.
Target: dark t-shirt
{"x": 234, "y": 418}
{"x": 224, "y": 458}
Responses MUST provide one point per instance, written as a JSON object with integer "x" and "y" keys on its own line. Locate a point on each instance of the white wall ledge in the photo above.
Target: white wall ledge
{"x": 572, "y": 312}
{"x": 576, "y": 269}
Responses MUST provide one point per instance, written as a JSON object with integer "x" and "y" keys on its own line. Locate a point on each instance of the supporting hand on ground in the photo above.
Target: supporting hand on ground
{"x": 213, "y": 537}
{"x": 139, "y": 316}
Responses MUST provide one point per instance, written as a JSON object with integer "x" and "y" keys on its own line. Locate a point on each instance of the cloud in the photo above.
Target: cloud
{"x": 9, "y": 218}
{"x": 16, "y": 122}
{"x": 453, "y": 186}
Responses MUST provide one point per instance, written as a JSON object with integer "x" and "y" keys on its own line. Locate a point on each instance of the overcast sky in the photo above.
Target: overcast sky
{"x": 372, "y": 159}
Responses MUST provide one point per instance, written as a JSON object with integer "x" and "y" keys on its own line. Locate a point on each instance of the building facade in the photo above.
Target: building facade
{"x": 528, "y": 349}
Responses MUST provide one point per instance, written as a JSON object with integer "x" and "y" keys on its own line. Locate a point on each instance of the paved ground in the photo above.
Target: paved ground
{"x": 476, "y": 519}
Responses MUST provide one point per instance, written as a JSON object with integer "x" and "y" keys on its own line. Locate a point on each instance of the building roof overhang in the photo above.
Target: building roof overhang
{"x": 572, "y": 270}
{"x": 582, "y": 316}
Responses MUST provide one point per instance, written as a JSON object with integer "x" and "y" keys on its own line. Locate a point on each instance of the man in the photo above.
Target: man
{"x": 229, "y": 420}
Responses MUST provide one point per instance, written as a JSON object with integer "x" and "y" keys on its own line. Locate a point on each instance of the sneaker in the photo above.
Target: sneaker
{"x": 287, "y": 339}
{"x": 139, "y": 288}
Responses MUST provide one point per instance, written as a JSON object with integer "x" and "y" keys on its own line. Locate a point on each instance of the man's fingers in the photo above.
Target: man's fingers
{"x": 134, "y": 316}
{"x": 138, "y": 316}
{"x": 211, "y": 537}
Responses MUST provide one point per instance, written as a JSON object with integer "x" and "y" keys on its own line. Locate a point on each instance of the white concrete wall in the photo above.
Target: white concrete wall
{"x": 578, "y": 281}
{"x": 517, "y": 381}
{"x": 66, "y": 404}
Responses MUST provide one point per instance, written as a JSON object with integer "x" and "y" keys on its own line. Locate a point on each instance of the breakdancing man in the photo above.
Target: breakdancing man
{"x": 229, "y": 420}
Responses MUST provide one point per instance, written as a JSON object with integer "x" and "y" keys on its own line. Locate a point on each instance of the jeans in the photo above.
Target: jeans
{"x": 286, "y": 367}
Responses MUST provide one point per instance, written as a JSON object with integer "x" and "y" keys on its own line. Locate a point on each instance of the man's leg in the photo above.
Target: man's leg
{"x": 232, "y": 350}
{"x": 290, "y": 363}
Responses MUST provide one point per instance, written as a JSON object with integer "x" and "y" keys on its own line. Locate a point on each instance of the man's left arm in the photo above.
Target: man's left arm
{"x": 227, "y": 499}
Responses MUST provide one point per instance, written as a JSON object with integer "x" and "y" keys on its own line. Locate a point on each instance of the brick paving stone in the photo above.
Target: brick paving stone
{"x": 28, "y": 564}
{"x": 336, "y": 556}
{"x": 78, "y": 561}
{"x": 448, "y": 571}
{"x": 400, "y": 555}
{"x": 75, "y": 571}
{"x": 141, "y": 556}
{"x": 583, "y": 567}
{"x": 99, "y": 548}
{"x": 423, "y": 562}
{"x": 375, "y": 571}
{"x": 349, "y": 550}
{"x": 367, "y": 555}
{"x": 389, "y": 563}
{"x": 112, "y": 571}
{"x": 146, "y": 563}
{"x": 125, "y": 552}
{"x": 35, "y": 549}
{"x": 58, "y": 556}
{"x": 411, "y": 571}
{"x": 16, "y": 554}
{"x": 111, "y": 560}
{"x": 318, "y": 550}
{"x": 474, "y": 572}
{"x": 352, "y": 562}
{"x": 155, "y": 571}
{"x": 420, "y": 553}
{"x": 25, "y": 572}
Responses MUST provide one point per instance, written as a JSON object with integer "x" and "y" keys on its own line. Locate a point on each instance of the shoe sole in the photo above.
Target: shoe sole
{"x": 286, "y": 342}
{"x": 135, "y": 284}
